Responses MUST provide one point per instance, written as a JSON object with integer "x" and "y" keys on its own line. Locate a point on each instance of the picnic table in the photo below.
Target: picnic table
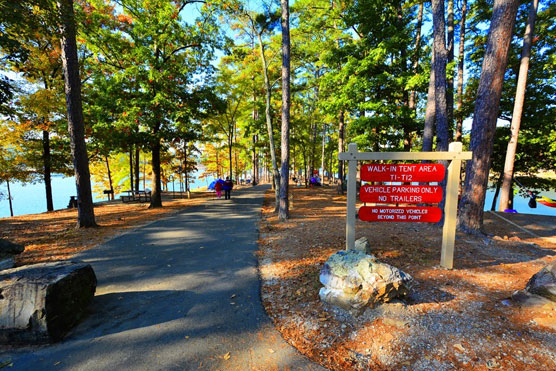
{"x": 141, "y": 196}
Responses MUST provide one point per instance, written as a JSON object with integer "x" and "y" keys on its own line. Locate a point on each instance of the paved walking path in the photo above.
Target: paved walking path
{"x": 178, "y": 294}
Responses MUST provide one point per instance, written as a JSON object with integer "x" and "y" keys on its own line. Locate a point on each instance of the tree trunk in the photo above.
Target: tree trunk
{"x": 284, "y": 212}
{"x": 137, "y": 164}
{"x": 230, "y": 158}
{"x": 109, "y": 177}
{"x": 496, "y": 193}
{"x": 518, "y": 106}
{"x": 304, "y": 152}
{"x": 276, "y": 180}
{"x": 237, "y": 166}
{"x": 341, "y": 149}
{"x": 156, "y": 195}
{"x": 70, "y": 63}
{"x": 185, "y": 167}
{"x": 440, "y": 61}
{"x": 10, "y": 198}
{"x": 485, "y": 115}
{"x": 416, "y": 48}
{"x": 323, "y": 148}
{"x": 313, "y": 148}
{"x": 131, "y": 178}
{"x": 459, "y": 123}
{"x": 449, "y": 77}
{"x": 47, "y": 169}
{"x": 428, "y": 131}
{"x": 254, "y": 178}
{"x": 439, "y": 66}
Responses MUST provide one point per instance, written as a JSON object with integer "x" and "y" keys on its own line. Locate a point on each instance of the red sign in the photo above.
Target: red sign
{"x": 425, "y": 214}
{"x": 407, "y": 194}
{"x": 402, "y": 172}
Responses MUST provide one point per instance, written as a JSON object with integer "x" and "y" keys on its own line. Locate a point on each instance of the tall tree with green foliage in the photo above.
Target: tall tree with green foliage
{"x": 486, "y": 114}
{"x": 76, "y": 126}
{"x": 165, "y": 57}
{"x": 518, "y": 107}
{"x": 284, "y": 211}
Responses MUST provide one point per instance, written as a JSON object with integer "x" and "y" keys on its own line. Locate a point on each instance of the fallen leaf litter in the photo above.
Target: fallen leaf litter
{"x": 460, "y": 318}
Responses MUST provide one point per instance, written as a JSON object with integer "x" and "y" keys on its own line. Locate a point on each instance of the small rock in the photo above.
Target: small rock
{"x": 394, "y": 322}
{"x": 543, "y": 283}
{"x": 459, "y": 347}
{"x": 491, "y": 363}
{"x": 10, "y": 248}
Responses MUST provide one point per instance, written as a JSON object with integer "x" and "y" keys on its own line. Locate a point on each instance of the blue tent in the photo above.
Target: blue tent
{"x": 211, "y": 186}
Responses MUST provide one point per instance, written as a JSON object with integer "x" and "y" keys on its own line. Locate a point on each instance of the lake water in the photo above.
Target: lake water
{"x": 30, "y": 198}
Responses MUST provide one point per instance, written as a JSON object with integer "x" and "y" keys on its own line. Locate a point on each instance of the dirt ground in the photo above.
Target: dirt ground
{"x": 53, "y": 236}
{"x": 454, "y": 319}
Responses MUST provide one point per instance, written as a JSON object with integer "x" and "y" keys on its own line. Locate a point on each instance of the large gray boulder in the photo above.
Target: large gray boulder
{"x": 8, "y": 250}
{"x": 543, "y": 283}
{"x": 353, "y": 279}
{"x": 40, "y": 303}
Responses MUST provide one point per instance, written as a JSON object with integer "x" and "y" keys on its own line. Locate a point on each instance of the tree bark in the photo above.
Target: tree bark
{"x": 439, "y": 64}
{"x": 254, "y": 178}
{"x": 440, "y": 103}
{"x": 341, "y": 129}
{"x": 156, "y": 195}
{"x": 186, "y": 171}
{"x": 485, "y": 115}
{"x": 10, "y": 198}
{"x": 137, "y": 164}
{"x": 230, "y": 159}
{"x": 47, "y": 169}
{"x": 416, "y": 48}
{"x": 131, "y": 178}
{"x": 276, "y": 174}
{"x": 284, "y": 212}
{"x": 496, "y": 193}
{"x": 109, "y": 177}
{"x": 428, "y": 131}
{"x": 518, "y": 107}
{"x": 459, "y": 122}
{"x": 70, "y": 63}
{"x": 323, "y": 150}
{"x": 313, "y": 148}
{"x": 449, "y": 77}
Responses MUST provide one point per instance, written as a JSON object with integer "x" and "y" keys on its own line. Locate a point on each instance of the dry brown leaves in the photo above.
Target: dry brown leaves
{"x": 53, "y": 236}
{"x": 458, "y": 318}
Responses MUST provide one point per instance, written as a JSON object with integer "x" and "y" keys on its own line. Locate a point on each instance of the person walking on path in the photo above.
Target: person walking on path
{"x": 227, "y": 187}
{"x": 218, "y": 189}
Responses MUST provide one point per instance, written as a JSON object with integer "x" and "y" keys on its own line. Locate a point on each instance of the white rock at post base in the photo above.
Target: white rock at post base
{"x": 362, "y": 244}
{"x": 353, "y": 279}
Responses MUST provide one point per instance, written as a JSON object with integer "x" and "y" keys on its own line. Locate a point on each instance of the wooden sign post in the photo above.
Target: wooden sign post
{"x": 411, "y": 194}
